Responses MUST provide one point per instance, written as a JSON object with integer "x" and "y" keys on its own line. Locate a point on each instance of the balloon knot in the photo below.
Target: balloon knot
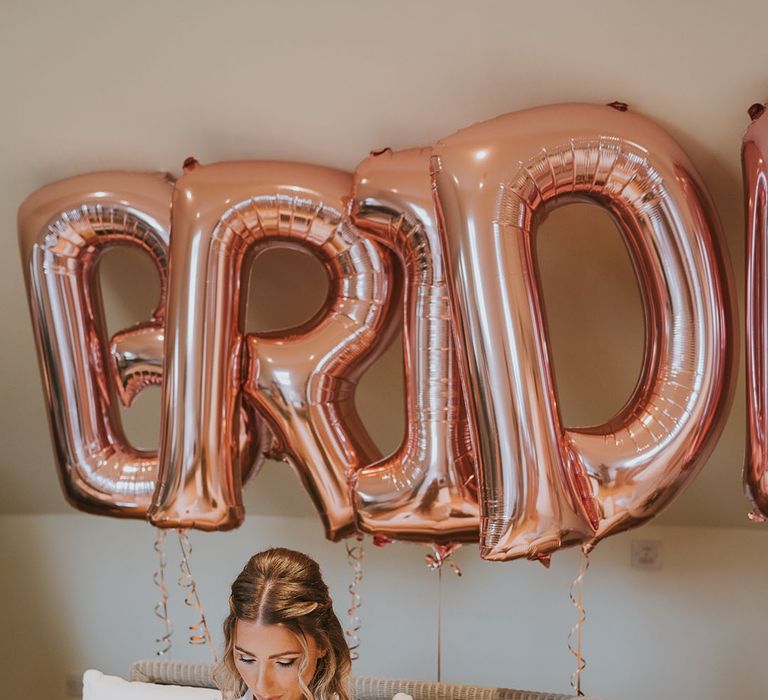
{"x": 756, "y": 516}
{"x": 620, "y": 106}
{"x": 190, "y": 164}
{"x": 756, "y": 110}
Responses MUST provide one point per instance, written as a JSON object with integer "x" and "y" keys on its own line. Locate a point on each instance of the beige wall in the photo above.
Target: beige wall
{"x": 76, "y": 592}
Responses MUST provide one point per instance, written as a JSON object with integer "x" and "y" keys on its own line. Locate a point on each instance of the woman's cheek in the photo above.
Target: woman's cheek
{"x": 243, "y": 669}
{"x": 289, "y": 672}
{"x": 308, "y": 674}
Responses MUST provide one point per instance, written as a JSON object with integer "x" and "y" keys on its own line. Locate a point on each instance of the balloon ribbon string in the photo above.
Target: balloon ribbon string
{"x": 164, "y": 642}
{"x": 435, "y": 560}
{"x": 355, "y": 554}
{"x": 575, "y": 593}
{"x": 439, "y": 619}
{"x": 200, "y": 634}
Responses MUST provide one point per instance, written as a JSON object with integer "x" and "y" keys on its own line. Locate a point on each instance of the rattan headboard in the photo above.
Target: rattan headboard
{"x": 363, "y": 687}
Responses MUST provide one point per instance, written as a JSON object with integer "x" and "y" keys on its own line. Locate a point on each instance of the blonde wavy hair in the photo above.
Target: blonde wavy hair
{"x": 283, "y": 587}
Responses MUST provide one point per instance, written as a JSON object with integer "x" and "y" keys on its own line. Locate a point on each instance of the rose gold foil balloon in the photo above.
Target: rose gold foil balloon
{"x": 64, "y": 229}
{"x": 302, "y": 381}
{"x": 755, "y": 172}
{"x": 472, "y": 303}
{"x": 137, "y": 361}
{"x": 136, "y": 356}
{"x": 544, "y": 485}
{"x": 426, "y": 490}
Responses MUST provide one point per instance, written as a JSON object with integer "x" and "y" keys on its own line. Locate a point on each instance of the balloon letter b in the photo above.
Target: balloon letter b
{"x": 64, "y": 229}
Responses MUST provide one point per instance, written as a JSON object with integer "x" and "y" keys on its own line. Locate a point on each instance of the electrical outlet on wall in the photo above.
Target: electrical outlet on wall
{"x": 74, "y": 685}
{"x": 646, "y": 554}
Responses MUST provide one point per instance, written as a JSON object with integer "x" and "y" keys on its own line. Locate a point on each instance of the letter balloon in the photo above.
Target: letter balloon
{"x": 64, "y": 229}
{"x": 426, "y": 491}
{"x": 755, "y": 173}
{"x": 302, "y": 381}
{"x": 440, "y": 241}
{"x": 544, "y": 485}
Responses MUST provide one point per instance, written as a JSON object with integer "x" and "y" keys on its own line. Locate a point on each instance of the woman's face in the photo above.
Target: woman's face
{"x": 268, "y": 657}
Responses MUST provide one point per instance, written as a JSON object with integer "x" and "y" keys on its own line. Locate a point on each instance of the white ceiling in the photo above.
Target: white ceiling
{"x": 143, "y": 84}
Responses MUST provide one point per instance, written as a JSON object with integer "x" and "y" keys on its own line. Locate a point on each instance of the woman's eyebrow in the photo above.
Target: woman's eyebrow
{"x": 286, "y": 653}
{"x": 245, "y": 651}
{"x": 274, "y": 656}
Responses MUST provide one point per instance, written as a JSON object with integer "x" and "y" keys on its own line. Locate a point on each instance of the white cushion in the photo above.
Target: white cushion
{"x": 97, "y": 686}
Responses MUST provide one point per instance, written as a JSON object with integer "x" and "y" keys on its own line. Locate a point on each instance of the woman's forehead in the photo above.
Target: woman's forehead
{"x": 266, "y": 640}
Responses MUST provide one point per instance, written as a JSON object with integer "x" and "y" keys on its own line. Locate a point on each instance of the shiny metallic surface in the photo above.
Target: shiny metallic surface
{"x": 426, "y": 490}
{"x": 136, "y": 355}
{"x": 544, "y": 485}
{"x": 64, "y": 229}
{"x": 755, "y": 174}
{"x": 445, "y": 235}
{"x": 302, "y": 380}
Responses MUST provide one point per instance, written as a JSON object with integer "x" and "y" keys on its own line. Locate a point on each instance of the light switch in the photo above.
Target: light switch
{"x": 646, "y": 554}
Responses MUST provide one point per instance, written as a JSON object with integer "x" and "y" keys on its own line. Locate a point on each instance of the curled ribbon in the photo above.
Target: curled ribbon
{"x": 355, "y": 554}
{"x": 200, "y": 634}
{"x": 164, "y": 642}
{"x": 442, "y": 554}
{"x": 575, "y": 593}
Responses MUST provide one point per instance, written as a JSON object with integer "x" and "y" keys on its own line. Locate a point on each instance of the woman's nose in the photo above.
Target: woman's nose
{"x": 265, "y": 680}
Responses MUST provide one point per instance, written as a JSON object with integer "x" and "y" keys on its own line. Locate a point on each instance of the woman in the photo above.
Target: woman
{"x": 282, "y": 638}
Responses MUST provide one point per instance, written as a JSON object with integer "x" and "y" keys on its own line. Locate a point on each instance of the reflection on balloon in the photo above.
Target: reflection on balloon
{"x": 542, "y": 485}
{"x": 755, "y": 173}
{"x": 302, "y": 380}
{"x": 136, "y": 359}
{"x": 446, "y": 234}
{"x": 426, "y": 490}
{"x": 64, "y": 229}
